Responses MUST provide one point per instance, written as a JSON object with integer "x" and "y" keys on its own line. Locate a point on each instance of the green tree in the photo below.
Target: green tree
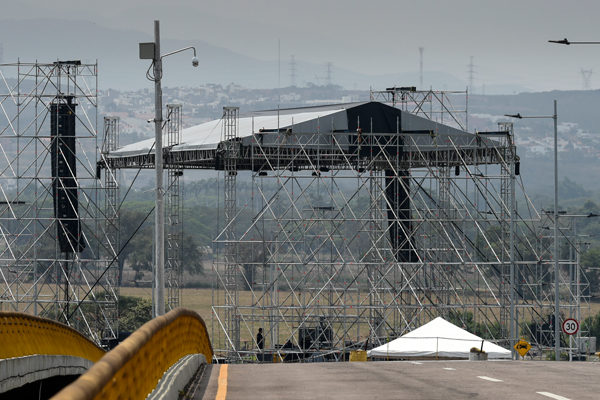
{"x": 590, "y": 261}
{"x": 592, "y": 325}
{"x": 192, "y": 256}
{"x": 137, "y": 243}
{"x": 135, "y": 240}
{"x": 133, "y": 313}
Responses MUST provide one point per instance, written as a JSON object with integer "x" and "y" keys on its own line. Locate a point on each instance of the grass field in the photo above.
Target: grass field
{"x": 200, "y": 300}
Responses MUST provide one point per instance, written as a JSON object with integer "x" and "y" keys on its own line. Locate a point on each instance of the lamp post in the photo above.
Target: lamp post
{"x": 151, "y": 51}
{"x": 568, "y": 42}
{"x": 556, "y": 266}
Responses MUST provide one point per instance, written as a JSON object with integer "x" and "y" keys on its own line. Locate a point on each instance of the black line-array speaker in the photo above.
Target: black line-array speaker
{"x": 397, "y": 192}
{"x": 64, "y": 174}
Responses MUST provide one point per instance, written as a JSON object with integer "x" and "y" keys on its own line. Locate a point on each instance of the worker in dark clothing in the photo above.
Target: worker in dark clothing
{"x": 260, "y": 341}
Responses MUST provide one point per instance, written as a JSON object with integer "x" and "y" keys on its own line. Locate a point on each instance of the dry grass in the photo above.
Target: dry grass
{"x": 200, "y": 300}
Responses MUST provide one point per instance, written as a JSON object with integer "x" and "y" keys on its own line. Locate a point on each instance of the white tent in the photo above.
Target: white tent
{"x": 440, "y": 339}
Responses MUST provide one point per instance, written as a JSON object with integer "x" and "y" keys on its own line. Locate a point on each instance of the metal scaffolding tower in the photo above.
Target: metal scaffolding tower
{"x": 365, "y": 221}
{"x": 57, "y": 251}
{"x": 174, "y": 210}
{"x": 112, "y": 203}
{"x": 329, "y": 256}
{"x": 227, "y": 265}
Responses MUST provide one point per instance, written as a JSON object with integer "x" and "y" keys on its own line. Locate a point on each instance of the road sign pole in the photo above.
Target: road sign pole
{"x": 570, "y": 327}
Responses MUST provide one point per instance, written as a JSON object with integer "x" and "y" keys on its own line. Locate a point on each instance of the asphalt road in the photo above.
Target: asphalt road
{"x": 406, "y": 380}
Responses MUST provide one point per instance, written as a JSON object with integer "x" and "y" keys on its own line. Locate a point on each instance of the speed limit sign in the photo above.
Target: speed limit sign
{"x": 570, "y": 326}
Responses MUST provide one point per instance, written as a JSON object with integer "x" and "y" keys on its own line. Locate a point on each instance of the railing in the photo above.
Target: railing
{"x": 24, "y": 335}
{"x": 133, "y": 368}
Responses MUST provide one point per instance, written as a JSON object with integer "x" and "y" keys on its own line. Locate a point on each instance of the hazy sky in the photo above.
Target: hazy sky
{"x": 507, "y": 38}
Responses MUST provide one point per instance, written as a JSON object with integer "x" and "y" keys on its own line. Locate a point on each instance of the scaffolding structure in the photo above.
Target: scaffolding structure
{"x": 58, "y": 236}
{"x": 112, "y": 205}
{"x": 358, "y": 231}
{"x": 228, "y": 269}
{"x": 336, "y": 252}
{"x": 445, "y": 107}
{"x": 174, "y": 210}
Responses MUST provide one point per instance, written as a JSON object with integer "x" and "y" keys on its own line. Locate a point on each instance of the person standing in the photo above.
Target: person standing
{"x": 260, "y": 342}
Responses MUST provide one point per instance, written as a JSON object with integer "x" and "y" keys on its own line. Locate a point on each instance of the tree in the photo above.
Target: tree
{"x": 133, "y": 313}
{"x": 139, "y": 251}
{"x": 590, "y": 261}
{"x": 192, "y": 256}
{"x": 592, "y": 325}
{"x": 135, "y": 244}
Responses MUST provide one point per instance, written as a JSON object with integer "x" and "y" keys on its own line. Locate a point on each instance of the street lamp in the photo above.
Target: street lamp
{"x": 568, "y": 42}
{"x": 151, "y": 51}
{"x": 556, "y": 266}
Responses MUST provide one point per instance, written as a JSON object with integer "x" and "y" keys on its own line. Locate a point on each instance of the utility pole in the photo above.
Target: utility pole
{"x": 556, "y": 253}
{"x": 159, "y": 213}
{"x": 151, "y": 51}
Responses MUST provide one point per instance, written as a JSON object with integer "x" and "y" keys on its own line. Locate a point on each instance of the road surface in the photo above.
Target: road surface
{"x": 414, "y": 380}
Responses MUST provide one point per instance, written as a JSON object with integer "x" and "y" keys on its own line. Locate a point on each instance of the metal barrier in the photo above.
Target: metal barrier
{"x": 133, "y": 368}
{"x": 24, "y": 335}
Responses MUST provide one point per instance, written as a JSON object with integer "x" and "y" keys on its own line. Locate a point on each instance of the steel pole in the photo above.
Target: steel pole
{"x": 556, "y": 266}
{"x": 159, "y": 215}
{"x": 513, "y": 319}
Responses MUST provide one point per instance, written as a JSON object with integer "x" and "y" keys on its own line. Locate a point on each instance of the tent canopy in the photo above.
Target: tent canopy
{"x": 438, "y": 338}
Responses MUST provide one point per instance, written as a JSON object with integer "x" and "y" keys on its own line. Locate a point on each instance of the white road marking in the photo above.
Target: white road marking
{"x": 450, "y": 369}
{"x": 416, "y": 362}
{"x": 552, "y": 395}
{"x": 487, "y": 378}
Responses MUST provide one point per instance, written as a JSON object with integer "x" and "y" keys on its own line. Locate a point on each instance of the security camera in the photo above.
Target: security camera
{"x": 195, "y": 61}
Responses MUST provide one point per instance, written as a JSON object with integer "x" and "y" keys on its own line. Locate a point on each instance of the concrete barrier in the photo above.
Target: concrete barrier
{"x": 19, "y": 371}
{"x": 177, "y": 377}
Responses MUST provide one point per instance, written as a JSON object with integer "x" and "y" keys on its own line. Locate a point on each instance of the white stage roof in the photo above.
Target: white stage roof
{"x": 209, "y": 134}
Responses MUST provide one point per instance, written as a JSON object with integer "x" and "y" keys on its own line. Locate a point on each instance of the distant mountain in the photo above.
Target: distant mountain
{"x": 116, "y": 50}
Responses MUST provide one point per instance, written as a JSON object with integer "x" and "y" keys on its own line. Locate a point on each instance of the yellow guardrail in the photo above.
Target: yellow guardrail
{"x": 133, "y": 368}
{"x": 24, "y": 335}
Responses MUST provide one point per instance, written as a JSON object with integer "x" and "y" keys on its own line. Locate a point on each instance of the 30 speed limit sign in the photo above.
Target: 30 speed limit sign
{"x": 570, "y": 326}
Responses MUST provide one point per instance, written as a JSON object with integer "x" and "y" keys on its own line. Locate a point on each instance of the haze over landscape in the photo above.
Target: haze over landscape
{"x": 337, "y": 180}
{"x": 374, "y": 43}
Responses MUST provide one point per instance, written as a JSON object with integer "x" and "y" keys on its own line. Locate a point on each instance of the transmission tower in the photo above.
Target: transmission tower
{"x": 471, "y": 72}
{"x": 293, "y": 70}
{"x": 586, "y": 78}
{"x": 421, "y": 67}
{"x": 329, "y": 74}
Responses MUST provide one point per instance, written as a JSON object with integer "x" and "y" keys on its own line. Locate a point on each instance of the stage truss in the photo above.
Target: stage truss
{"x": 311, "y": 257}
{"x": 37, "y": 276}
